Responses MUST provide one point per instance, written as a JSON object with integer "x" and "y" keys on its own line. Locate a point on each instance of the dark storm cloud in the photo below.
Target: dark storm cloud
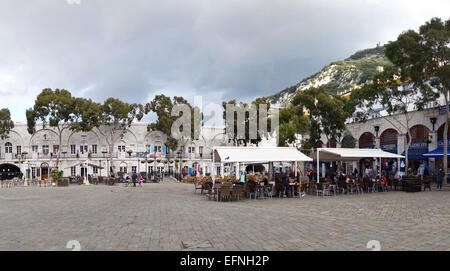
{"x": 218, "y": 49}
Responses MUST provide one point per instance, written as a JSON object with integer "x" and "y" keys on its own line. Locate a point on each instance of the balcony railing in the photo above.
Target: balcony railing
{"x": 121, "y": 155}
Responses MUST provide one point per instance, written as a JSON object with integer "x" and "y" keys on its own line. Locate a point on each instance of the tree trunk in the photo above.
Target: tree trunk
{"x": 111, "y": 158}
{"x": 59, "y": 150}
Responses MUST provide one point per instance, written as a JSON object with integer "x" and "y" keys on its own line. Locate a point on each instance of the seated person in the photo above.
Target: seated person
{"x": 265, "y": 180}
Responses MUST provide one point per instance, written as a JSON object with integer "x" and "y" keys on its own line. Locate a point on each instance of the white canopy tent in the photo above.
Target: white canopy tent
{"x": 349, "y": 154}
{"x": 256, "y": 155}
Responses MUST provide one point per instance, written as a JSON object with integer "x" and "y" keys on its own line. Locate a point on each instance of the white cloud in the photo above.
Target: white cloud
{"x": 221, "y": 50}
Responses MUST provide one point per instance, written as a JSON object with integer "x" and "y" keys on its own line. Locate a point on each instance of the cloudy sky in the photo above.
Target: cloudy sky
{"x": 218, "y": 49}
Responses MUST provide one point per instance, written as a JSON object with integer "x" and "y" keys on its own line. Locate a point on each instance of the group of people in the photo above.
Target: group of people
{"x": 134, "y": 178}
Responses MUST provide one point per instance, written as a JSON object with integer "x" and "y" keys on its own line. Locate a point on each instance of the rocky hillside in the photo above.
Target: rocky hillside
{"x": 339, "y": 76}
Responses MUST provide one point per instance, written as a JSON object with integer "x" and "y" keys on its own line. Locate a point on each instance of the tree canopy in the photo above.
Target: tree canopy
{"x": 251, "y": 121}
{"x": 163, "y": 106}
{"x": 54, "y": 108}
{"x": 6, "y": 124}
{"x": 327, "y": 113}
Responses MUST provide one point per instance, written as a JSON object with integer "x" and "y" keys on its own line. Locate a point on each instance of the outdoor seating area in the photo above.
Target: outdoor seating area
{"x": 292, "y": 183}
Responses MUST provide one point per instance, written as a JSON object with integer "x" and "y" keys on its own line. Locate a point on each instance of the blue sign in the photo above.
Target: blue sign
{"x": 441, "y": 143}
{"x": 442, "y": 109}
{"x": 392, "y": 148}
{"x": 416, "y": 149}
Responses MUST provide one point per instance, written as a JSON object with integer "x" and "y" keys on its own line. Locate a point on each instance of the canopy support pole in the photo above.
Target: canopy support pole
{"x": 213, "y": 170}
{"x": 318, "y": 164}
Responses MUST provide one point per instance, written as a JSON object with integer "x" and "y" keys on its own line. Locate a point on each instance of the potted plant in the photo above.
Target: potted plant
{"x": 89, "y": 154}
{"x": 56, "y": 175}
{"x": 78, "y": 154}
{"x": 129, "y": 152}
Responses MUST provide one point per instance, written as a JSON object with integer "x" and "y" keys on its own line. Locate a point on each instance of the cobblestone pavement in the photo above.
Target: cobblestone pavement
{"x": 161, "y": 216}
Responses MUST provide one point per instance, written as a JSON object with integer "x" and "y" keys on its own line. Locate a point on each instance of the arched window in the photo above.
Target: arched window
{"x": 318, "y": 144}
{"x": 389, "y": 136}
{"x": 8, "y": 147}
{"x": 366, "y": 140}
{"x": 419, "y": 133}
{"x": 440, "y": 132}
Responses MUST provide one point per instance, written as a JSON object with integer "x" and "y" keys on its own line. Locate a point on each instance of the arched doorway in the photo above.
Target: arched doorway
{"x": 318, "y": 144}
{"x": 9, "y": 171}
{"x": 366, "y": 141}
{"x": 44, "y": 171}
{"x": 418, "y": 147}
{"x": 331, "y": 143}
{"x": 389, "y": 143}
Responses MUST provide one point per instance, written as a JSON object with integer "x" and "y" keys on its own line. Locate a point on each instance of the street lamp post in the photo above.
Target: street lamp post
{"x": 23, "y": 155}
{"x": 377, "y": 129}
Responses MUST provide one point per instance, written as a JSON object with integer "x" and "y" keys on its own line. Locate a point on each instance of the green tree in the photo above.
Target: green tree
{"x": 6, "y": 124}
{"x": 424, "y": 57}
{"x": 327, "y": 113}
{"x": 393, "y": 91}
{"x": 54, "y": 108}
{"x": 293, "y": 121}
{"x": 162, "y": 105}
{"x": 248, "y": 118}
{"x": 111, "y": 119}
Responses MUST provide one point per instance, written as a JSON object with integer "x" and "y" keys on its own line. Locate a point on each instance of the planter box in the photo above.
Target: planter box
{"x": 62, "y": 182}
{"x": 411, "y": 184}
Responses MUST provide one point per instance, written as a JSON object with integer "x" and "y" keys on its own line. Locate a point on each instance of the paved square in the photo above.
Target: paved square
{"x": 162, "y": 216}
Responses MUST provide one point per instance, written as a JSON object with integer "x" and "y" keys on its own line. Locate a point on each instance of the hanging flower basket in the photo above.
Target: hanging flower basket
{"x": 143, "y": 161}
{"x": 158, "y": 160}
{"x": 171, "y": 161}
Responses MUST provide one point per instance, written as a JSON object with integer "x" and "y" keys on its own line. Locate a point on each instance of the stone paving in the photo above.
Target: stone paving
{"x": 161, "y": 216}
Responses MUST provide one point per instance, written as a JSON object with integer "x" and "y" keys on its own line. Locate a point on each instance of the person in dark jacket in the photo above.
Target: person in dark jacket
{"x": 285, "y": 183}
{"x": 134, "y": 178}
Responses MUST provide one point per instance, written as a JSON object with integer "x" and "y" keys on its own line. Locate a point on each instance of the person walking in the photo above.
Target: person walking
{"x": 440, "y": 179}
{"x": 134, "y": 178}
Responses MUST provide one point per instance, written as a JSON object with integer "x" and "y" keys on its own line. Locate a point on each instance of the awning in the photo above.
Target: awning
{"x": 352, "y": 154}
{"x": 85, "y": 163}
{"x": 439, "y": 152}
{"x": 258, "y": 154}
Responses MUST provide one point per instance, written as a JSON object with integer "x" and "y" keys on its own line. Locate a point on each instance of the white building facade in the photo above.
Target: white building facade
{"x": 86, "y": 153}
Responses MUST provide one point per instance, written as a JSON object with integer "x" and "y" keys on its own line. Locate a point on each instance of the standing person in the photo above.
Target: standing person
{"x": 285, "y": 183}
{"x": 440, "y": 179}
{"x": 421, "y": 171}
{"x": 134, "y": 178}
{"x": 141, "y": 180}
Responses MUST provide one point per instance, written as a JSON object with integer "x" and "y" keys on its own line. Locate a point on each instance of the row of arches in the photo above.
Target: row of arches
{"x": 419, "y": 133}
